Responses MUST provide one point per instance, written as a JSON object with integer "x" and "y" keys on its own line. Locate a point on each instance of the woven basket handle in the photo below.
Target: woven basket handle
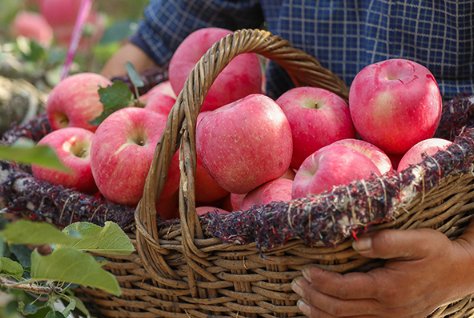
{"x": 180, "y": 132}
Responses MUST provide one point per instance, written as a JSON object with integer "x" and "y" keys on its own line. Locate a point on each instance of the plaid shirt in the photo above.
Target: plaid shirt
{"x": 344, "y": 35}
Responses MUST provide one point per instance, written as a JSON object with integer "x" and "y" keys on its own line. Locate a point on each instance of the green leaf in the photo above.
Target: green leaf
{"x": 22, "y": 254}
{"x": 69, "y": 307}
{"x": 67, "y": 264}
{"x": 116, "y": 94}
{"x": 80, "y": 305}
{"x": 23, "y": 44}
{"x": 113, "y": 97}
{"x": 21, "y": 308}
{"x": 3, "y": 247}
{"x": 30, "y": 309}
{"x": 101, "y": 260}
{"x": 105, "y": 113}
{"x": 37, "y": 52}
{"x": 56, "y": 55}
{"x": 30, "y": 49}
{"x": 26, "y": 151}
{"x": 11, "y": 309}
{"x": 54, "y": 314}
{"x": 110, "y": 239}
{"x": 10, "y": 267}
{"x": 35, "y": 233}
{"x": 133, "y": 75}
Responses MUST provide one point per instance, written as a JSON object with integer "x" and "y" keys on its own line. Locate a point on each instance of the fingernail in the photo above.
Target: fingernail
{"x": 303, "y": 306}
{"x": 295, "y": 285}
{"x": 306, "y": 273}
{"x": 363, "y": 244}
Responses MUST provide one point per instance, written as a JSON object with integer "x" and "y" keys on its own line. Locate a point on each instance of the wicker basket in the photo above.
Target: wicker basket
{"x": 180, "y": 270}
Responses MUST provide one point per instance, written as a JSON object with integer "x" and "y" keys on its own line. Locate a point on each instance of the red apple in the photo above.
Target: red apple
{"x": 122, "y": 152}
{"x": 33, "y": 26}
{"x": 241, "y": 77}
{"x": 60, "y": 12}
{"x": 205, "y": 187}
{"x": 203, "y": 210}
{"x": 380, "y": 158}
{"x": 289, "y": 174}
{"x": 91, "y": 34}
{"x": 395, "y": 160}
{"x": 75, "y": 101}
{"x": 158, "y": 102}
{"x": 72, "y": 145}
{"x": 331, "y": 166}
{"x": 421, "y": 150}
{"x": 245, "y": 143}
{"x": 168, "y": 208}
{"x": 395, "y": 104}
{"x": 237, "y": 199}
{"x": 163, "y": 88}
{"x": 279, "y": 189}
{"x": 317, "y": 118}
{"x": 226, "y": 203}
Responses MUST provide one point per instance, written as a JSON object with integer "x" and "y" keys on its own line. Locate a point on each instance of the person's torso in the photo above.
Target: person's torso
{"x": 346, "y": 36}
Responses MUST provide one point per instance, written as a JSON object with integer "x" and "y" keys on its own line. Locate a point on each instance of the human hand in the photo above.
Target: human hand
{"x": 116, "y": 65}
{"x": 424, "y": 271}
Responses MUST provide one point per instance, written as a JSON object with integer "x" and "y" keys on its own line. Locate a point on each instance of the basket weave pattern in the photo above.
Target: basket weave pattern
{"x": 234, "y": 279}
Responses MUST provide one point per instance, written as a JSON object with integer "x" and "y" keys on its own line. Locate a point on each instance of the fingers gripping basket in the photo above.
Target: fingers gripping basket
{"x": 200, "y": 275}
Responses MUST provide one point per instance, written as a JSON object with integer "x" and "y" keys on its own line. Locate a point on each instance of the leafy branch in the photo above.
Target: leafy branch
{"x": 118, "y": 95}
{"x": 67, "y": 264}
{"x": 24, "y": 268}
{"x": 29, "y": 287}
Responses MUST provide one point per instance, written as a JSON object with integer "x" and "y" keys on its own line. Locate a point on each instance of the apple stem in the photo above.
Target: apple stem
{"x": 63, "y": 121}
{"x": 138, "y": 103}
{"x": 136, "y": 91}
{"x": 82, "y": 152}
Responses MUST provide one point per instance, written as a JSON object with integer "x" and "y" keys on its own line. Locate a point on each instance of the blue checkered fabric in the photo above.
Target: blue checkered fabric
{"x": 344, "y": 35}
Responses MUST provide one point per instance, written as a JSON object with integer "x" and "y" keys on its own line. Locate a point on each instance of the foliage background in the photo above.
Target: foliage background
{"x": 121, "y": 18}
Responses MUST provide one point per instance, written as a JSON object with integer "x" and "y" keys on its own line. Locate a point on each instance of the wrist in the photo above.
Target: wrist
{"x": 465, "y": 258}
{"x": 129, "y": 52}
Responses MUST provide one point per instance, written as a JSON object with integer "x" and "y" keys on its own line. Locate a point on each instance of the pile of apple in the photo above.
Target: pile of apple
{"x": 251, "y": 149}
{"x": 55, "y": 20}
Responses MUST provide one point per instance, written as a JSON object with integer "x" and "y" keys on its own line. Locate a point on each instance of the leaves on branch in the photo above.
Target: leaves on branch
{"x": 35, "y": 233}
{"x": 26, "y": 151}
{"x": 27, "y": 309}
{"x": 67, "y": 264}
{"x": 114, "y": 97}
{"x": 69, "y": 307}
{"x": 22, "y": 254}
{"x": 110, "y": 239}
{"x": 54, "y": 314}
{"x": 134, "y": 76}
{"x": 79, "y": 305}
{"x": 9, "y": 267}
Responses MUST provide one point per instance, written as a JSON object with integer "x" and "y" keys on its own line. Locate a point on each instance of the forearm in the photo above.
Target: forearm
{"x": 116, "y": 65}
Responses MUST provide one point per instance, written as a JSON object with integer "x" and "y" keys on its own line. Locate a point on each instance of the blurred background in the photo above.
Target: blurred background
{"x": 34, "y": 38}
{"x": 35, "y": 34}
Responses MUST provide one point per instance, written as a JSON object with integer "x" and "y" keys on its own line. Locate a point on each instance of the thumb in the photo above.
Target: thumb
{"x": 391, "y": 243}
